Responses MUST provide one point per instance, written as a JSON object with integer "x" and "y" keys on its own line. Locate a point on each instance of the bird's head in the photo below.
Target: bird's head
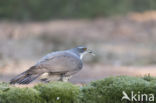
{"x": 81, "y": 50}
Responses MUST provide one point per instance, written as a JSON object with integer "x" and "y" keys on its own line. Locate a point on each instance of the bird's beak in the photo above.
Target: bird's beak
{"x": 91, "y": 52}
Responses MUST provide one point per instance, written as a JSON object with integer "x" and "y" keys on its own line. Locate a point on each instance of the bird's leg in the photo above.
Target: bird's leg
{"x": 45, "y": 80}
{"x": 44, "y": 77}
{"x": 65, "y": 78}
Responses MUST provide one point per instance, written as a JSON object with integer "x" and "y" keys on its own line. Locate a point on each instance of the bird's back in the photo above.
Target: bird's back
{"x": 62, "y": 61}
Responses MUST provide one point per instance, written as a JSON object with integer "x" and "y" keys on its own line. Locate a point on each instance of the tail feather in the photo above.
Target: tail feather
{"x": 25, "y": 77}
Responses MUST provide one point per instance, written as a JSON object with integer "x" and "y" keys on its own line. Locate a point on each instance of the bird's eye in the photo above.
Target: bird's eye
{"x": 84, "y": 49}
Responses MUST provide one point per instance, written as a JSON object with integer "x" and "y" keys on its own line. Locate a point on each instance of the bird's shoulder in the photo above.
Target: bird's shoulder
{"x": 57, "y": 54}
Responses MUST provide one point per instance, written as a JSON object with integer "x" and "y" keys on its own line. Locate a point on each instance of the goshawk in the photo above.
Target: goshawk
{"x": 57, "y": 66}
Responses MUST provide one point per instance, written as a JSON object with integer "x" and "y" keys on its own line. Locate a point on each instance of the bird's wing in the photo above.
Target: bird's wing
{"x": 60, "y": 62}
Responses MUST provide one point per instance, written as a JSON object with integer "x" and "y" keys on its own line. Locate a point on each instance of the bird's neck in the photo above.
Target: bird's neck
{"x": 77, "y": 54}
{"x": 82, "y": 55}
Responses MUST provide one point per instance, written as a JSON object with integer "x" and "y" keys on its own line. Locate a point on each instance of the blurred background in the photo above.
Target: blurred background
{"x": 122, "y": 33}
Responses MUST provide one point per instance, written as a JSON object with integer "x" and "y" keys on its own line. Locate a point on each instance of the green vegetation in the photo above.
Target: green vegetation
{"x": 47, "y": 9}
{"x": 108, "y": 90}
{"x": 10, "y": 94}
{"x": 58, "y": 92}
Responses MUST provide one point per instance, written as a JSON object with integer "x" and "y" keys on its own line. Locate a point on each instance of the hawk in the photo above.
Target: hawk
{"x": 57, "y": 66}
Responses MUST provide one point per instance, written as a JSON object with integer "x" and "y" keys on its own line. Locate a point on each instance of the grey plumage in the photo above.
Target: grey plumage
{"x": 60, "y": 65}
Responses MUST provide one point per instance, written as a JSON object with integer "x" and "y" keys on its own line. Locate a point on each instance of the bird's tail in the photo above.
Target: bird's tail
{"x": 25, "y": 77}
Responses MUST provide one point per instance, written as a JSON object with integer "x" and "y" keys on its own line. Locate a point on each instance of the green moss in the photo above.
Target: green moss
{"x": 20, "y": 95}
{"x": 4, "y": 86}
{"x": 149, "y": 78}
{"x": 108, "y": 90}
{"x": 58, "y": 92}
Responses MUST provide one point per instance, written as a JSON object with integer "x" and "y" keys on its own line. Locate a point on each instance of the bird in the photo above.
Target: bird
{"x": 55, "y": 66}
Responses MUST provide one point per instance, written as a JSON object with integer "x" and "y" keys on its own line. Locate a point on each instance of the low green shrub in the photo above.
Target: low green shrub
{"x": 149, "y": 78}
{"x": 108, "y": 90}
{"x": 66, "y": 9}
{"x": 58, "y": 92}
{"x": 20, "y": 95}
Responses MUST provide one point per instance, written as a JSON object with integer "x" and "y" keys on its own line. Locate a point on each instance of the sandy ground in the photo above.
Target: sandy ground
{"x": 100, "y": 71}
